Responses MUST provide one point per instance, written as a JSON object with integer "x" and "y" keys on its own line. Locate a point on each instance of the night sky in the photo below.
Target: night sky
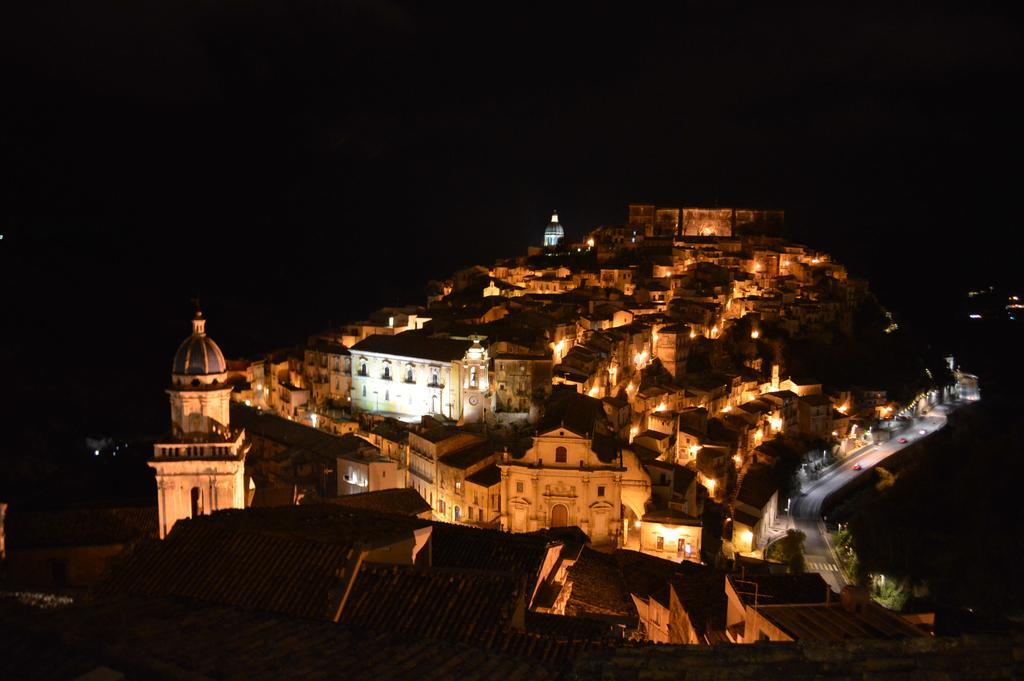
{"x": 296, "y": 163}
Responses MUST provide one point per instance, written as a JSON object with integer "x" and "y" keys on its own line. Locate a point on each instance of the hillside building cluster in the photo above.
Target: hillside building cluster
{"x": 585, "y": 445}
{"x": 629, "y": 384}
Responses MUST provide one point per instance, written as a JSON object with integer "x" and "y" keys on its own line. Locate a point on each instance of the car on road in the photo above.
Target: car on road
{"x": 902, "y": 440}
{"x": 856, "y": 466}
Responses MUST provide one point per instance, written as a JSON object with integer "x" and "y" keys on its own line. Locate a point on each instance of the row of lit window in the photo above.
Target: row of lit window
{"x": 409, "y": 375}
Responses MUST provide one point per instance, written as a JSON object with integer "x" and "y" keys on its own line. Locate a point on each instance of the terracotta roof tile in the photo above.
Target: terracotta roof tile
{"x": 287, "y": 560}
{"x": 472, "y": 548}
{"x": 433, "y": 603}
{"x": 167, "y": 639}
{"x": 598, "y": 589}
{"x": 219, "y": 565}
{"x": 404, "y": 501}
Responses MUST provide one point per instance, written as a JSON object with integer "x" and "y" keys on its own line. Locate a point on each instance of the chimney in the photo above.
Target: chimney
{"x": 855, "y": 598}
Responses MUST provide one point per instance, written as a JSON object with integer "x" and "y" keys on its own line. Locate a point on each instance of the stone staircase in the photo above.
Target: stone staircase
{"x": 730, "y": 503}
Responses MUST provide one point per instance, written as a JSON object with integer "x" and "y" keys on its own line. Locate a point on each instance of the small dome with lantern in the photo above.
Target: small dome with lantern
{"x": 553, "y": 233}
{"x": 198, "y": 355}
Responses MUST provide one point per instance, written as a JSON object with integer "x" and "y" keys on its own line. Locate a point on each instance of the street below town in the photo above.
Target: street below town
{"x": 806, "y": 510}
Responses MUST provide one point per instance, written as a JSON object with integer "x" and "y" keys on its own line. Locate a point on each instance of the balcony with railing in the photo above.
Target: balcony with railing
{"x": 198, "y": 446}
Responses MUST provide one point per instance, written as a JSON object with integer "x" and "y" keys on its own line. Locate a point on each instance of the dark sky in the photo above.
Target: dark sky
{"x": 296, "y": 162}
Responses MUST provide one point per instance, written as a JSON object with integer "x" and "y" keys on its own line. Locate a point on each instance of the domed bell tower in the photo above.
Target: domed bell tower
{"x": 200, "y": 467}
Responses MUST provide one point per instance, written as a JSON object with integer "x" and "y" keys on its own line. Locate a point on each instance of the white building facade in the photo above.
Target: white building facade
{"x": 409, "y": 376}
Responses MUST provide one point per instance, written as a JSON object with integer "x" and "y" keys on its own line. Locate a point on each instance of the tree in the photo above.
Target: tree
{"x": 790, "y": 550}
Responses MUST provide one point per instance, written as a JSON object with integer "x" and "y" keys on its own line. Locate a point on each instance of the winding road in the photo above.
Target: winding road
{"x": 805, "y": 510}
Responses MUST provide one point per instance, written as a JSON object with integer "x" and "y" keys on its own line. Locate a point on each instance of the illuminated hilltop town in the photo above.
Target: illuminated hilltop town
{"x": 616, "y": 385}
{"x": 595, "y": 441}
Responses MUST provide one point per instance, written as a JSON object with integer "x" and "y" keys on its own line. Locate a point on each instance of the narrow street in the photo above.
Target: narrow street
{"x": 805, "y": 510}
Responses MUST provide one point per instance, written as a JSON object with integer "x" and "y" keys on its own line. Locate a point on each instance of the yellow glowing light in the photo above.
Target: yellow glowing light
{"x": 594, "y": 391}
{"x": 714, "y": 331}
{"x": 661, "y": 407}
{"x": 843, "y": 408}
{"x": 758, "y": 435}
{"x": 755, "y": 334}
{"x": 590, "y": 243}
{"x": 815, "y": 261}
{"x": 757, "y": 267}
{"x": 632, "y": 433}
{"x": 641, "y": 358}
{"x": 747, "y": 538}
{"x": 693, "y": 334}
{"x": 637, "y": 523}
{"x": 710, "y": 483}
{"x": 738, "y": 459}
{"x": 726, "y": 409}
{"x": 775, "y": 422}
{"x": 693, "y": 449}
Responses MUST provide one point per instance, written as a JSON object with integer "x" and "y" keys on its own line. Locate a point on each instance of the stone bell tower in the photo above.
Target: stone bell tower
{"x": 200, "y": 467}
{"x": 475, "y": 384}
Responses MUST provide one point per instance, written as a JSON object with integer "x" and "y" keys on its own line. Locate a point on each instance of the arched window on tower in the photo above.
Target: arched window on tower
{"x": 387, "y": 372}
{"x": 560, "y": 455}
{"x": 472, "y": 376}
{"x": 408, "y": 375}
{"x": 196, "y": 501}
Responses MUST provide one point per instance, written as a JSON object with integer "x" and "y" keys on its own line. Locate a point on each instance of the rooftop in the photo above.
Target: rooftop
{"x": 833, "y": 621}
{"x": 403, "y": 501}
{"x": 473, "y": 548}
{"x": 579, "y": 414}
{"x": 598, "y": 589}
{"x": 486, "y": 477}
{"x": 414, "y": 345}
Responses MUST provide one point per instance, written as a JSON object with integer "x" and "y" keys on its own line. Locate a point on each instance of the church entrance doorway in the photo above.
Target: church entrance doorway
{"x": 559, "y": 515}
{"x": 600, "y": 525}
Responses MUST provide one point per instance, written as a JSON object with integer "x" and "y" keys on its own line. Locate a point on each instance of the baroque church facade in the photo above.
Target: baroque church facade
{"x": 574, "y": 474}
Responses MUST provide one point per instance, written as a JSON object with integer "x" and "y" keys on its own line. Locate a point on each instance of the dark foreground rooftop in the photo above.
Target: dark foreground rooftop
{"x": 161, "y": 639}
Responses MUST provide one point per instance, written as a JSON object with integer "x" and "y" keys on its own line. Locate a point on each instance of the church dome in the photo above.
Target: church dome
{"x": 199, "y": 355}
{"x": 553, "y": 233}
